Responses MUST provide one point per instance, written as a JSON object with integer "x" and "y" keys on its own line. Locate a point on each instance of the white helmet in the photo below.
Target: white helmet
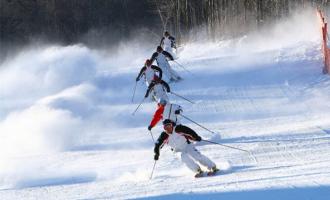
{"x": 162, "y": 101}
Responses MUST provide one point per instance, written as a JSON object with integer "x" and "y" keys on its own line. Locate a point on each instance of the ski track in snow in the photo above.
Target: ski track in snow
{"x": 276, "y": 107}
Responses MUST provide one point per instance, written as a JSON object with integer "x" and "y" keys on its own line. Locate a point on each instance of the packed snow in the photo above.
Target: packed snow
{"x": 67, "y": 129}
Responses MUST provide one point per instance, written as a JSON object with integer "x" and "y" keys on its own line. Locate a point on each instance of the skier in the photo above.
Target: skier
{"x": 166, "y": 110}
{"x": 168, "y": 42}
{"x": 159, "y": 89}
{"x": 149, "y": 72}
{"x": 161, "y": 58}
{"x": 179, "y": 137}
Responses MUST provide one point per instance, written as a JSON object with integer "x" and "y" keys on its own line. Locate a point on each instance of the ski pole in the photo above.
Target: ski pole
{"x": 227, "y": 146}
{"x": 152, "y": 136}
{"x": 182, "y": 97}
{"x": 138, "y": 106}
{"x": 183, "y": 67}
{"x": 198, "y": 124}
{"x": 134, "y": 91}
{"x": 153, "y": 168}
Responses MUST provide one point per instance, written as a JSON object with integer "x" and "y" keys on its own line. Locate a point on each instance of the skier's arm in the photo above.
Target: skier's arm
{"x": 161, "y": 42}
{"x": 159, "y": 70}
{"x": 140, "y": 74}
{"x": 191, "y": 134}
{"x": 168, "y": 55}
{"x": 157, "y": 116}
{"x": 166, "y": 86}
{"x": 172, "y": 42}
{"x": 152, "y": 84}
{"x": 153, "y": 57}
{"x": 159, "y": 143}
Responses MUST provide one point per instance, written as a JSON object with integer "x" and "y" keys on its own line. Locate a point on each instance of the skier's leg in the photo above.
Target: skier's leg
{"x": 193, "y": 152}
{"x": 190, "y": 163}
{"x": 170, "y": 73}
{"x": 160, "y": 93}
{"x": 169, "y": 50}
{"x": 164, "y": 96}
{"x": 173, "y": 73}
{"x": 166, "y": 73}
{"x": 153, "y": 97}
{"x": 186, "y": 129}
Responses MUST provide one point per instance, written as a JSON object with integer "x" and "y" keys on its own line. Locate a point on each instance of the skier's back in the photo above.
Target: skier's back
{"x": 161, "y": 57}
{"x": 166, "y": 110}
{"x": 159, "y": 88}
{"x": 149, "y": 72}
{"x": 168, "y": 42}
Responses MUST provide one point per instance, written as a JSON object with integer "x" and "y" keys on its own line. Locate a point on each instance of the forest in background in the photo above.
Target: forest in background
{"x": 105, "y": 22}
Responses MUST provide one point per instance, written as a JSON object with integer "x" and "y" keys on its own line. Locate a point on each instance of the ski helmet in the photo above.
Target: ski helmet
{"x": 159, "y": 48}
{"x": 162, "y": 101}
{"x": 168, "y": 121}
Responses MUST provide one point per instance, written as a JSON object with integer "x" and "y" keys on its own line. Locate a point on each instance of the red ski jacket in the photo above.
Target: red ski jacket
{"x": 157, "y": 116}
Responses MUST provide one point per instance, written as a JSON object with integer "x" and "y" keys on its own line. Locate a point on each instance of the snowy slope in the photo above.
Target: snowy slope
{"x": 67, "y": 131}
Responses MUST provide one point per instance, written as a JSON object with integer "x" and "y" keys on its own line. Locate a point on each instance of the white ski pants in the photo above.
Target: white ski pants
{"x": 170, "y": 50}
{"x": 159, "y": 93}
{"x": 168, "y": 71}
{"x": 190, "y": 155}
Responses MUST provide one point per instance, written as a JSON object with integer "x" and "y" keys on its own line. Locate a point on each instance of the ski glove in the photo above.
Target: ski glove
{"x": 149, "y": 128}
{"x": 198, "y": 138}
{"x": 137, "y": 79}
{"x": 156, "y": 156}
{"x": 177, "y": 112}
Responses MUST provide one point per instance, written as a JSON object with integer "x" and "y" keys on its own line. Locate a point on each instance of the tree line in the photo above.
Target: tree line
{"x": 227, "y": 18}
{"x": 71, "y": 21}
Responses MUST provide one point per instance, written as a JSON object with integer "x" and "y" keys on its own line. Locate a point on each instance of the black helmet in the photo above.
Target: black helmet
{"x": 148, "y": 62}
{"x": 166, "y": 33}
{"x": 159, "y": 48}
{"x": 168, "y": 121}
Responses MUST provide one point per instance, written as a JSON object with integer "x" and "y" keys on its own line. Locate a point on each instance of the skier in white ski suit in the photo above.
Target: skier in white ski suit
{"x": 167, "y": 43}
{"x": 159, "y": 89}
{"x": 149, "y": 73}
{"x": 179, "y": 138}
{"x": 161, "y": 58}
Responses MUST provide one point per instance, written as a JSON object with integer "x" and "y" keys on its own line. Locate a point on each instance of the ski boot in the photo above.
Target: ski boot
{"x": 171, "y": 80}
{"x": 199, "y": 173}
{"x": 179, "y": 79}
{"x": 213, "y": 171}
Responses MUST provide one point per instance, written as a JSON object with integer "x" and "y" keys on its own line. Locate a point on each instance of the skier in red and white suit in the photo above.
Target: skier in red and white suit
{"x": 179, "y": 138}
{"x": 167, "y": 111}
